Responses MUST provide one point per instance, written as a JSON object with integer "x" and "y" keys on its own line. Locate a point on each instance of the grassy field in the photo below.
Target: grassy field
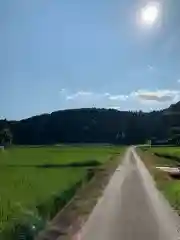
{"x": 168, "y": 185}
{"x": 167, "y": 155}
{"x": 26, "y": 190}
{"x": 173, "y": 152}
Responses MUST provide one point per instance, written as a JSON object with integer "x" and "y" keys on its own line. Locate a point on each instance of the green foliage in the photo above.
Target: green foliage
{"x": 6, "y": 137}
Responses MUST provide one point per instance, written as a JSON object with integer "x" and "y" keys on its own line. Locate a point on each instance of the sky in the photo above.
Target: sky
{"x": 64, "y": 54}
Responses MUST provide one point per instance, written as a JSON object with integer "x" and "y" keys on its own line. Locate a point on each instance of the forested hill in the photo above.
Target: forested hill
{"x": 89, "y": 125}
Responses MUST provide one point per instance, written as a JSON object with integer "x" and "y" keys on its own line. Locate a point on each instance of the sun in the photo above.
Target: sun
{"x": 149, "y": 13}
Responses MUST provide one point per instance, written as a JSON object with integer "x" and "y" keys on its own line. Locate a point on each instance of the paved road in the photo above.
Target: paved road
{"x": 131, "y": 208}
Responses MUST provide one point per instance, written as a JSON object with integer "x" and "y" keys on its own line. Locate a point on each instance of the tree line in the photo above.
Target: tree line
{"x": 91, "y": 125}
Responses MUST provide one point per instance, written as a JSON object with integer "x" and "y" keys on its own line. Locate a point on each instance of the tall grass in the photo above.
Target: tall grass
{"x": 31, "y": 195}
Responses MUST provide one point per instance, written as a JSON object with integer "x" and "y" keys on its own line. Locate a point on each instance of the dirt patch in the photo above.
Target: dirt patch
{"x": 68, "y": 222}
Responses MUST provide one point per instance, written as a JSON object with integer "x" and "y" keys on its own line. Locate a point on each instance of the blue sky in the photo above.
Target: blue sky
{"x": 57, "y": 54}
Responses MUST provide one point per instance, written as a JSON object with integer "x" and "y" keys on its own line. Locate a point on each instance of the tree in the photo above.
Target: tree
{"x": 6, "y": 137}
{"x": 172, "y": 116}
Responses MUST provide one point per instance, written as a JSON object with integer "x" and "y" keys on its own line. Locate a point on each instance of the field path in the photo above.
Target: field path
{"x": 131, "y": 208}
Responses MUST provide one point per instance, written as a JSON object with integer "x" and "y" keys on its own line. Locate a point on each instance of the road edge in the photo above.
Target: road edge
{"x": 163, "y": 209}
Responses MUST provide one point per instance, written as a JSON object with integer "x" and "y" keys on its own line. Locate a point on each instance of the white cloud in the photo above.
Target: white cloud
{"x": 114, "y": 107}
{"x": 81, "y": 99}
{"x": 107, "y": 94}
{"x": 118, "y": 97}
{"x": 141, "y": 99}
{"x": 162, "y": 95}
{"x": 94, "y": 96}
{"x": 78, "y": 94}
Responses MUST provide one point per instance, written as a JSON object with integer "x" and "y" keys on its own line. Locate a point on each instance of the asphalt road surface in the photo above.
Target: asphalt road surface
{"x": 131, "y": 208}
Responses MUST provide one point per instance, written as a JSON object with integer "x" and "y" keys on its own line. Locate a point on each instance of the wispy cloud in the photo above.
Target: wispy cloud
{"x": 115, "y": 107}
{"x": 178, "y": 80}
{"x": 118, "y": 97}
{"x": 157, "y": 96}
{"x": 78, "y": 94}
{"x": 95, "y": 95}
{"x": 135, "y": 100}
{"x": 84, "y": 98}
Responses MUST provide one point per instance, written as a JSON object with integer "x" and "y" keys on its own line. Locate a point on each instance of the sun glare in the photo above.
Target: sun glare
{"x": 149, "y": 13}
